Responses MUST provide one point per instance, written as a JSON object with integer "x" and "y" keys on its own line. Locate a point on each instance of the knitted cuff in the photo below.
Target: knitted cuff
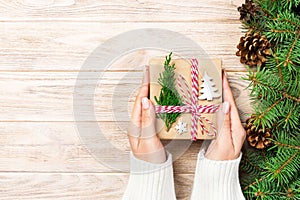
{"x": 217, "y": 179}
{"x": 140, "y": 166}
{"x": 149, "y": 181}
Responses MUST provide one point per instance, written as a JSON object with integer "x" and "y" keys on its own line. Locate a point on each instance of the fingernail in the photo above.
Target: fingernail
{"x": 224, "y": 72}
{"x": 145, "y": 103}
{"x": 225, "y": 107}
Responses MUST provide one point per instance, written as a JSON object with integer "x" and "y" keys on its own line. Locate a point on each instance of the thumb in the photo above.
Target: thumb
{"x": 223, "y": 125}
{"x": 148, "y": 119}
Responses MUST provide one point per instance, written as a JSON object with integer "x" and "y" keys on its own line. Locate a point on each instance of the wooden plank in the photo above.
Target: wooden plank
{"x": 124, "y": 11}
{"x": 58, "y": 147}
{"x": 45, "y": 96}
{"x": 43, "y": 45}
{"x": 67, "y": 186}
{"x": 78, "y": 158}
{"x": 62, "y": 186}
{"x": 38, "y": 46}
{"x": 54, "y": 158}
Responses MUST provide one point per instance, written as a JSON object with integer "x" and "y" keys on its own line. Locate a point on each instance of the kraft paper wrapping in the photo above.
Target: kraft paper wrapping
{"x": 183, "y": 67}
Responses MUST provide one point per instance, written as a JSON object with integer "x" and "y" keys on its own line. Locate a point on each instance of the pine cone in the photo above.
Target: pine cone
{"x": 256, "y": 137}
{"x": 248, "y": 11}
{"x": 253, "y": 49}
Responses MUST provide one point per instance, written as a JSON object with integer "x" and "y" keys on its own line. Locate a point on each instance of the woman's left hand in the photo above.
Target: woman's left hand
{"x": 229, "y": 141}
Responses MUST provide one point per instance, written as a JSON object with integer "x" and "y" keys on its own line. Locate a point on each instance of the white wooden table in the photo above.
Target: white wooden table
{"x": 43, "y": 44}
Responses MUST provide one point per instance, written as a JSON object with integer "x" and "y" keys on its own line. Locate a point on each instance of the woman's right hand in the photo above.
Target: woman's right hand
{"x": 144, "y": 142}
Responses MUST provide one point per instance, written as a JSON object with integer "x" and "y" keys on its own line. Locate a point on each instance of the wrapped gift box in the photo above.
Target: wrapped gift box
{"x": 183, "y": 67}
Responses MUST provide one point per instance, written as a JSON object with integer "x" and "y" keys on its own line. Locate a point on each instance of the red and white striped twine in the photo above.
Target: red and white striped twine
{"x": 191, "y": 103}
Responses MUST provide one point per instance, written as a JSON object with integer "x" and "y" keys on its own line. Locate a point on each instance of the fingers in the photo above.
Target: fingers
{"x": 222, "y": 147}
{"x": 237, "y": 130}
{"x": 148, "y": 119}
{"x": 231, "y": 135}
{"x": 228, "y": 96}
{"x": 136, "y": 114}
{"x": 144, "y": 90}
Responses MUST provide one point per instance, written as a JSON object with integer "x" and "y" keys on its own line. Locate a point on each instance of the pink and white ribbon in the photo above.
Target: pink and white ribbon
{"x": 190, "y": 100}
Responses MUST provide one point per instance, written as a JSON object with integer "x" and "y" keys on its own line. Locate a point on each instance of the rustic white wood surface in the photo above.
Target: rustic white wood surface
{"x": 43, "y": 44}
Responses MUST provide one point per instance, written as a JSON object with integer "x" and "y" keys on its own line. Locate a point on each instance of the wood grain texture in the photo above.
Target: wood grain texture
{"x": 59, "y": 147}
{"x": 39, "y": 46}
{"x": 116, "y": 11}
{"x": 48, "y": 96}
{"x": 71, "y": 158}
{"x": 62, "y": 186}
{"x": 45, "y": 150}
{"x": 69, "y": 186}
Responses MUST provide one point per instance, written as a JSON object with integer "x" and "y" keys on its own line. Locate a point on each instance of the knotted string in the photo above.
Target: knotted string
{"x": 190, "y": 100}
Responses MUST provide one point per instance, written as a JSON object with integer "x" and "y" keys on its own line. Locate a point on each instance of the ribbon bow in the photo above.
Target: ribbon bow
{"x": 190, "y": 100}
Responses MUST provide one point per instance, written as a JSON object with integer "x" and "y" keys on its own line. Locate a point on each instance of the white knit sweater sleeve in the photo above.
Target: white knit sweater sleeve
{"x": 148, "y": 181}
{"x": 217, "y": 180}
{"x": 214, "y": 180}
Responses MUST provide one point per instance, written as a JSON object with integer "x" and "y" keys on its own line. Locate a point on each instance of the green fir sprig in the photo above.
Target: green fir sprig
{"x": 168, "y": 96}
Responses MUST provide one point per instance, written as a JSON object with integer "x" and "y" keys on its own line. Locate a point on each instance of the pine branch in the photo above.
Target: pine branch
{"x": 285, "y": 94}
{"x": 279, "y": 70}
{"x": 270, "y": 107}
{"x": 283, "y": 27}
{"x": 287, "y": 60}
{"x": 275, "y": 90}
{"x": 286, "y": 163}
{"x": 281, "y": 169}
{"x": 286, "y": 145}
{"x": 252, "y": 164}
{"x": 282, "y": 31}
{"x": 274, "y": 173}
{"x": 254, "y": 182}
{"x": 291, "y": 22}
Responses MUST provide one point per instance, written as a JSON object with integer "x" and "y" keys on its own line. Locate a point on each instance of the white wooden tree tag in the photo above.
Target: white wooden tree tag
{"x": 208, "y": 90}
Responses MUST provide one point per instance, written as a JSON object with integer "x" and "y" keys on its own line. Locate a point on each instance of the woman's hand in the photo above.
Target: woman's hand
{"x": 231, "y": 136}
{"x": 144, "y": 142}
